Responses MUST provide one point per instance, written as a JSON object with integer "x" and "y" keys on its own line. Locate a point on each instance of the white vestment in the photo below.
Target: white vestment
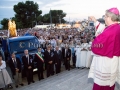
{"x": 89, "y": 56}
{"x": 78, "y": 56}
{"x": 83, "y": 55}
{"x": 104, "y": 70}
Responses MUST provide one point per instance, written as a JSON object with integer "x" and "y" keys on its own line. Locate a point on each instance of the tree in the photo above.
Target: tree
{"x": 27, "y": 13}
{"x": 4, "y": 22}
{"x": 56, "y": 15}
{"x": 46, "y": 18}
{"x": 18, "y": 23}
{"x": 39, "y": 19}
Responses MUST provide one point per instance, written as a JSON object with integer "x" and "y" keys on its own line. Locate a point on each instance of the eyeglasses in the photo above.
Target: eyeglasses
{"x": 105, "y": 16}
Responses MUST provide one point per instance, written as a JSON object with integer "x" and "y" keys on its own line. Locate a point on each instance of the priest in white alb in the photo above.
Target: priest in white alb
{"x": 83, "y": 55}
{"x": 78, "y": 55}
{"x": 89, "y": 55}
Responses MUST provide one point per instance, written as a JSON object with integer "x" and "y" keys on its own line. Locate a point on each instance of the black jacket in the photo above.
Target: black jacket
{"x": 25, "y": 62}
{"x": 68, "y": 53}
{"x": 37, "y": 59}
{"x": 49, "y": 56}
{"x": 12, "y": 66}
{"x": 58, "y": 56}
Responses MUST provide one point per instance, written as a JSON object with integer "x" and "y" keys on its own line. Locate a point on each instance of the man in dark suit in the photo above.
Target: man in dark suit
{"x": 49, "y": 59}
{"x": 1, "y": 41}
{"x": 63, "y": 54}
{"x": 58, "y": 59}
{"x": 28, "y": 66}
{"x": 40, "y": 61}
{"x": 67, "y": 57}
{"x": 15, "y": 66}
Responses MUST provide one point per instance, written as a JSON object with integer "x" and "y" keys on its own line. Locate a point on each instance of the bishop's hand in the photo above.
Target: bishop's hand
{"x": 92, "y": 18}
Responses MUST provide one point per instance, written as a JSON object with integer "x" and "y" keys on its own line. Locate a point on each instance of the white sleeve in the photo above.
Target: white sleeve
{"x": 3, "y": 65}
{"x": 82, "y": 46}
{"x": 87, "y": 47}
{"x": 99, "y": 28}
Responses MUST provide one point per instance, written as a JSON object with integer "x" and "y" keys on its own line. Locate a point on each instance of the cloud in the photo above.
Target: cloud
{"x": 8, "y": 7}
{"x": 6, "y": 13}
{"x": 81, "y": 8}
{"x": 75, "y": 9}
{"x": 53, "y": 6}
{"x": 10, "y": 0}
{"x": 38, "y": 2}
{"x": 8, "y": 3}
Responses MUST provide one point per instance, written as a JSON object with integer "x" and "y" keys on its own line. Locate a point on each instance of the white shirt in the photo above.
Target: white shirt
{"x": 48, "y": 51}
{"x": 39, "y": 52}
{"x": 65, "y": 52}
{"x": 14, "y": 59}
{"x": 27, "y": 56}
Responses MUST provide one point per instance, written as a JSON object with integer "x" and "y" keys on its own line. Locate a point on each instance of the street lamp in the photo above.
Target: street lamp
{"x": 50, "y": 19}
{"x": 35, "y": 17}
{"x": 59, "y": 18}
{"x": 32, "y": 23}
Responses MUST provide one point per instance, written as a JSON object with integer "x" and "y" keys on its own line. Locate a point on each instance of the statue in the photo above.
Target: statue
{"x": 12, "y": 28}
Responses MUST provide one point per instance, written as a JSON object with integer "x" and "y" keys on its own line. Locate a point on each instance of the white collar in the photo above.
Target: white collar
{"x": 26, "y": 55}
{"x": 13, "y": 58}
{"x": 39, "y": 52}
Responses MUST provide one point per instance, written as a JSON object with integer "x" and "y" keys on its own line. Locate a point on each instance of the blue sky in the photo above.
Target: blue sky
{"x": 75, "y": 9}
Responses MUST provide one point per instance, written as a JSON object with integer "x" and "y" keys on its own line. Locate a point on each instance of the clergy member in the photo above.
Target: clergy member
{"x": 106, "y": 48}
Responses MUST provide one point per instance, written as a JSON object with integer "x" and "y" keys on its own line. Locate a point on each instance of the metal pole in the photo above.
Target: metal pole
{"x": 3, "y": 79}
{"x": 60, "y": 18}
{"x": 32, "y": 24}
{"x": 69, "y": 20}
{"x": 50, "y": 19}
{"x": 35, "y": 19}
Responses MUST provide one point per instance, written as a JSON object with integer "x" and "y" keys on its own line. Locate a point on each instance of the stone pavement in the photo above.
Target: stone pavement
{"x": 75, "y": 79}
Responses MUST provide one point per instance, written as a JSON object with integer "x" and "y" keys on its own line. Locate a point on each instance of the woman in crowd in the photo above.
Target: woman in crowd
{"x": 4, "y": 76}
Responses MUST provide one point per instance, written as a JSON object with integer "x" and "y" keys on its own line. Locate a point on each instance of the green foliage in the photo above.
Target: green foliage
{"x": 56, "y": 15}
{"x": 26, "y": 13}
{"x": 4, "y": 22}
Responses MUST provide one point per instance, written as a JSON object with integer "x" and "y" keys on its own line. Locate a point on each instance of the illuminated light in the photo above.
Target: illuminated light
{"x": 35, "y": 69}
